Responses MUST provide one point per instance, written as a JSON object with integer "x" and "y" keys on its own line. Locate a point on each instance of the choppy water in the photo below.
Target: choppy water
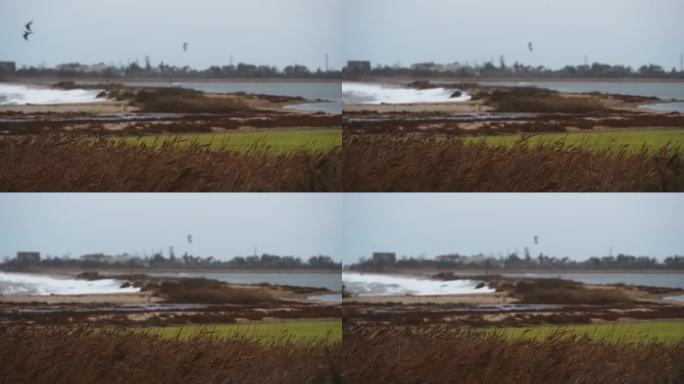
{"x": 369, "y": 284}
{"x": 665, "y": 107}
{"x": 329, "y": 92}
{"x": 44, "y": 285}
{"x": 370, "y": 93}
{"x": 18, "y": 94}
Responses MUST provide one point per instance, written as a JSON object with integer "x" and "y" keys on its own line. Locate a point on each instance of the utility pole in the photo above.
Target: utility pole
{"x": 326, "y": 62}
{"x": 681, "y": 62}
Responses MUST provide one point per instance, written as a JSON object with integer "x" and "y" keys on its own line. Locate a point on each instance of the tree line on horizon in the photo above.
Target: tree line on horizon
{"x": 166, "y": 71}
{"x": 517, "y": 70}
{"x": 185, "y": 261}
{"x": 515, "y": 261}
{"x": 298, "y": 71}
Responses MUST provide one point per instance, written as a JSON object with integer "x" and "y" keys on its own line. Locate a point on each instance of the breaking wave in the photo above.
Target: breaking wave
{"x": 369, "y": 284}
{"x": 367, "y": 93}
{"x": 43, "y": 285}
{"x": 15, "y": 94}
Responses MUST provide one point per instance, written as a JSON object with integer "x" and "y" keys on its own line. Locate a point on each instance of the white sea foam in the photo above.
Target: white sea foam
{"x": 368, "y": 93}
{"x": 369, "y": 284}
{"x": 43, "y": 285}
{"x": 17, "y": 94}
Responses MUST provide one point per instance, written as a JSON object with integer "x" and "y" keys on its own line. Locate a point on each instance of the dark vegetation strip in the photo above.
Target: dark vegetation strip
{"x": 388, "y": 163}
{"x": 87, "y": 125}
{"x": 436, "y": 124}
{"x": 455, "y": 315}
{"x": 214, "y": 314}
{"x": 91, "y": 355}
{"x": 387, "y": 354}
{"x": 371, "y": 163}
{"x": 63, "y": 163}
{"x": 530, "y": 99}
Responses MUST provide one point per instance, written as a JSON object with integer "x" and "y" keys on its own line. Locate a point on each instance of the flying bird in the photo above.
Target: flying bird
{"x": 190, "y": 239}
{"x": 185, "y": 47}
{"x": 28, "y": 32}
{"x": 530, "y": 46}
{"x": 536, "y": 239}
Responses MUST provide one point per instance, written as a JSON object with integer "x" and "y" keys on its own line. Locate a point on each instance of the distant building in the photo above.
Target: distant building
{"x": 28, "y": 257}
{"x": 82, "y": 68}
{"x": 453, "y": 258}
{"x": 456, "y": 258}
{"x": 433, "y": 67}
{"x": 7, "y": 67}
{"x": 384, "y": 257}
{"x": 358, "y": 66}
{"x": 105, "y": 259}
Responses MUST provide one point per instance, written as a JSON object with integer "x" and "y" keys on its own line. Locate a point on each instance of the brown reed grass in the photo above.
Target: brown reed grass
{"x": 404, "y": 164}
{"x": 390, "y": 354}
{"x": 90, "y": 355}
{"x": 66, "y": 163}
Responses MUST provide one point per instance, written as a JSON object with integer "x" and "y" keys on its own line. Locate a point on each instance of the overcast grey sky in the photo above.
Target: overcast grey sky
{"x": 274, "y": 32}
{"x": 221, "y": 225}
{"x": 574, "y": 225}
{"x": 632, "y": 32}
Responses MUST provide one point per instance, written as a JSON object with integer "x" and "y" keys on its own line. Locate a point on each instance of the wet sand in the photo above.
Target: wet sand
{"x": 136, "y": 298}
{"x": 470, "y": 299}
{"x": 102, "y": 107}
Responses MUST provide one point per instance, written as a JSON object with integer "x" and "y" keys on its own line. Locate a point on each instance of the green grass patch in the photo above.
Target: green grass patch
{"x": 666, "y": 332}
{"x": 328, "y": 332}
{"x": 632, "y": 141}
{"x": 275, "y": 141}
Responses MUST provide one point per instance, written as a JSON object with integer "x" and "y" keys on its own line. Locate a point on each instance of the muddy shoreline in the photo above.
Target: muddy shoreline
{"x": 135, "y": 111}
{"x": 171, "y": 301}
{"x": 499, "y": 110}
{"x": 518, "y": 301}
